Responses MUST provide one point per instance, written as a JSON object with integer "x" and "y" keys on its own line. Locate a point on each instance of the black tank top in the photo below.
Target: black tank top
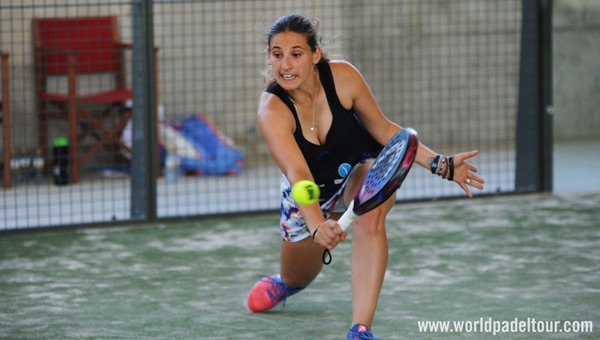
{"x": 347, "y": 142}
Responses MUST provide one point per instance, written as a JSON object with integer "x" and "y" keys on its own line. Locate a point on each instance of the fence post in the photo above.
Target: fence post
{"x": 143, "y": 150}
{"x": 547, "y": 103}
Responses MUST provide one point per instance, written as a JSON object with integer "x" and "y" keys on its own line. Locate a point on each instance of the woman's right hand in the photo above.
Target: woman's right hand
{"x": 330, "y": 234}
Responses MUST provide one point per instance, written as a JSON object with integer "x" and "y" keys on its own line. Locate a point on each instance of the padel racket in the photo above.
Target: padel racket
{"x": 384, "y": 177}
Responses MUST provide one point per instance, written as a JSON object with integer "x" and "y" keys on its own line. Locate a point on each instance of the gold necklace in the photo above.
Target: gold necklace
{"x": 314, "y": 126}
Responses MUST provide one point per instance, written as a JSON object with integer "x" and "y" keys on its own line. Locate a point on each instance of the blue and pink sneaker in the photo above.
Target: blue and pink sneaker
{"x": 268, "y": 292}
{"x": 360, "y": 332}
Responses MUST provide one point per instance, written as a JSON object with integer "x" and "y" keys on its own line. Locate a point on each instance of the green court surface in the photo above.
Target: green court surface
{"x": 531, "y": 256}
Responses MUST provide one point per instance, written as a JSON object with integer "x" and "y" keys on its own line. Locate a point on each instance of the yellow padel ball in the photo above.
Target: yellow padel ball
{"x": 305, "y": 192}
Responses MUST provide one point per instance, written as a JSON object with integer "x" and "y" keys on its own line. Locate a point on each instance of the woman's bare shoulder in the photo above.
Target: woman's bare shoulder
{"x": 272, "y": 111}
{"x": 348, "y": 81}
{"x": 342, "y": 67}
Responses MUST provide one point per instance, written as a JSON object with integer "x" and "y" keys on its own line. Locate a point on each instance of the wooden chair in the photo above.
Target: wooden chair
{"x": 71, "y": 48}
{"x": 5, "y": 109}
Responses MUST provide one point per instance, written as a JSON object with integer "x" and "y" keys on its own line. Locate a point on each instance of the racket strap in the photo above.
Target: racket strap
{"x": 315, "y": 232}
{"x": 326, "y": 258}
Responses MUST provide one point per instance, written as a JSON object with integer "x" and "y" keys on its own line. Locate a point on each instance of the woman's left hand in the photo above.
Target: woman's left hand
{"x": 464, "y": 172}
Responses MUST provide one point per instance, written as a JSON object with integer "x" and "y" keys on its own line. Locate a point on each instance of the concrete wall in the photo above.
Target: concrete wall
{"x": 576, "y": 69}
{"x": 449, "y": 68}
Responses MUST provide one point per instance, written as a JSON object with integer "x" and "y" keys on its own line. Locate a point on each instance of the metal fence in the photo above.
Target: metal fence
{"x": 90, "y": 129}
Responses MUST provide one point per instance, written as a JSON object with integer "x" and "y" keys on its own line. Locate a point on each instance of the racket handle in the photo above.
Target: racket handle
{"x": 346, "y": 220}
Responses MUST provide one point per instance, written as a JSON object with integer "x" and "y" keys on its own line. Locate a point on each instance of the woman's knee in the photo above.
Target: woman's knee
{"x": 373, "y": 222}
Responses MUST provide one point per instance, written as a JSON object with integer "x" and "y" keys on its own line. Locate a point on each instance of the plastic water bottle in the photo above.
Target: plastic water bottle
{"x": 61, "y": 161}
{"x": 172, "y": 167}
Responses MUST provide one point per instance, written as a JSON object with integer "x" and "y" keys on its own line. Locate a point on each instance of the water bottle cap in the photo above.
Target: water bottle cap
{"x": 61, "y": 141}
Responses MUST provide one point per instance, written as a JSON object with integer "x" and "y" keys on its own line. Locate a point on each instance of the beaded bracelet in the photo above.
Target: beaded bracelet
{"x": 438, "y": 166}
{"x": 450, "y": 176}
{"x": 443, "y": 166}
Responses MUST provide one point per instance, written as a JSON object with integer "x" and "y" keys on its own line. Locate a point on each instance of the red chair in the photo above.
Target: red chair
{"x": 5, "y": 109}
{"x": 74, "y": 47}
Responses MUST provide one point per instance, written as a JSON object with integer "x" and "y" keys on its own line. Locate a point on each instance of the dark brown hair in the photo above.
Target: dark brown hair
{"x": 298, "y": 24}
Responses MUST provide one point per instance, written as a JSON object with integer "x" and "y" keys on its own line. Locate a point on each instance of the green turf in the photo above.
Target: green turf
{"x": 533, "y": 256}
